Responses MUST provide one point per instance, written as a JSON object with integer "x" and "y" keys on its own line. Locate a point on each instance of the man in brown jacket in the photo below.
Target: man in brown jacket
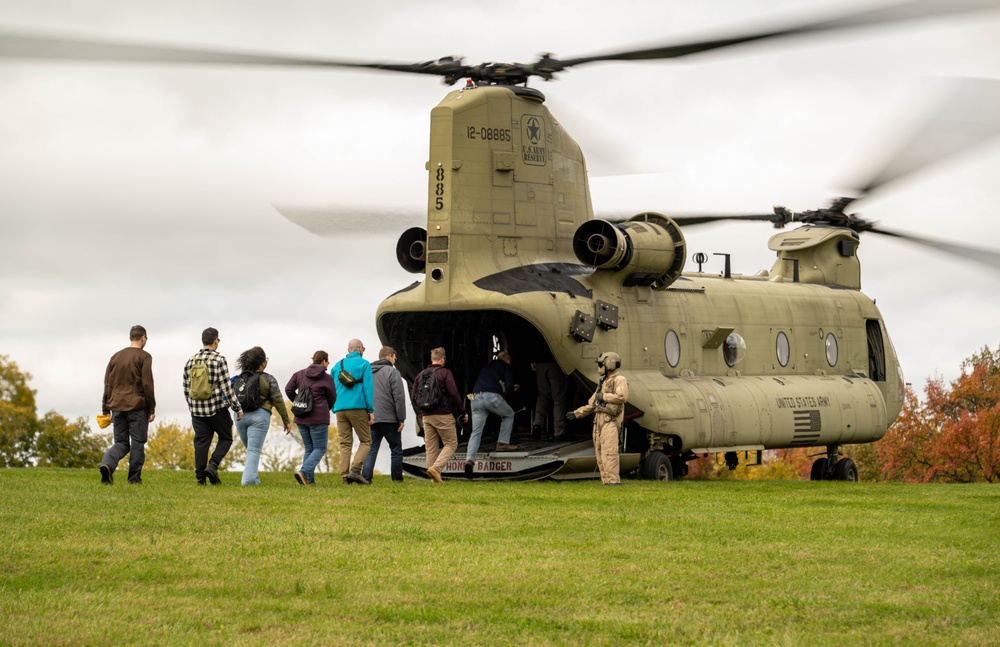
{"x": 608, "y": 406}
{"x": 128, "y": 393}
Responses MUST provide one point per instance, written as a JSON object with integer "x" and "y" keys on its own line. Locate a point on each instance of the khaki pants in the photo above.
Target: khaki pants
{"x": 442, "y": 427}
{"x": 358, "y": 420}
{"x": 606, "y": 448}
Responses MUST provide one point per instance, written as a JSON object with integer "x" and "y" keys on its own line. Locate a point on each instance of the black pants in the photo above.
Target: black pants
{"x": 128, "y": 426}
{"x": 204, "y": 428}
{"x": 389, "y": 431}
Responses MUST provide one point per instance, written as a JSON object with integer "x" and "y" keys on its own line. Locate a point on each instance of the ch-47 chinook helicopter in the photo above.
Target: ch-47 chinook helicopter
{"x": 512, "y": 258}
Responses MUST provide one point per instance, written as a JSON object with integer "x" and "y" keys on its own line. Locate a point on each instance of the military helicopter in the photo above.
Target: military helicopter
{"x": 512, "y": 258}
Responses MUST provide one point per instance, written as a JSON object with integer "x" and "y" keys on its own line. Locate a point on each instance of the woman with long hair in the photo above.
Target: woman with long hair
{"x": 259, "y": 392}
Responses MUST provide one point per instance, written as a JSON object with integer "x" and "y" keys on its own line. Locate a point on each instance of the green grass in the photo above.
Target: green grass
{"x": 719, "y": 563}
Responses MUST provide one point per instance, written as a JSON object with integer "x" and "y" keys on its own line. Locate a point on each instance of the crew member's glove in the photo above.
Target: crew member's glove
{"x": 570, "y": 416}
{"x": 599, "y": 398}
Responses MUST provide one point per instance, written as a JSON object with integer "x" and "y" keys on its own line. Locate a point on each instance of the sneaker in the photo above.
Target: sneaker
{"x": 301, "y": 478}
{"x": 469, "y": 465}
{"x": 347, "y": 481}
{"x": 504, "y": 447}
{"x": 106, "y": 476}
{"x": 434, "y": 474}
{"x": 212, "y": 472}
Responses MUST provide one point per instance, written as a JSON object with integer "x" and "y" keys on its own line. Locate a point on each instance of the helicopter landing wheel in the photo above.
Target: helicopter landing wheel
{"x": 819, "y": 470}
{"x": 845, "y": 470}
{"x": 657, "y": 467}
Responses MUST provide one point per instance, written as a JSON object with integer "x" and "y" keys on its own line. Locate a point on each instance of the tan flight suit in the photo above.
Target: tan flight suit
{"x": 608, "y": 421}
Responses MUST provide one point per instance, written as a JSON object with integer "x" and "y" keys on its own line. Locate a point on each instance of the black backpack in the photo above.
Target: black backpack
{"x": 303, "y": 402}
{"x": 427, "y": 392}
{"x": 247, "y": 387}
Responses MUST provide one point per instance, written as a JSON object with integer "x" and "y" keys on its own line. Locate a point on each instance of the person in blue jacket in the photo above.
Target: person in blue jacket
{"x": 355, "y": 409}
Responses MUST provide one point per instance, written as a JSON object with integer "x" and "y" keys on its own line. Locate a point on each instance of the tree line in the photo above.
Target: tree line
{"x": 952, "y": 435}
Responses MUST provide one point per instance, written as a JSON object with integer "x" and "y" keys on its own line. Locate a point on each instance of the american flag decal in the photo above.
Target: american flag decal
{"x": 808, "y": 425}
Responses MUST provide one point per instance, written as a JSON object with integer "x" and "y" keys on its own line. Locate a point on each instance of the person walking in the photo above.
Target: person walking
{"x": 208, "y": 392}
{"x": 354, "y": 409}
{"x": 129, "y": 397}
{"x": 495, "y": 381}
{"x": 439, "y": 420}
{"x": 314, "y": 425}
{"x": 253, "y": 427}
{"x": 390, "y": 414}
{"x": 608, "y": 406}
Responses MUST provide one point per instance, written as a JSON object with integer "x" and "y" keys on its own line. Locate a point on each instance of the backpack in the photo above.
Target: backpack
{"x": 303, "y": 402}
{"x": 247, "y": 387}
{"x": 200, "y": 384}
{"x": 427, "y": 391}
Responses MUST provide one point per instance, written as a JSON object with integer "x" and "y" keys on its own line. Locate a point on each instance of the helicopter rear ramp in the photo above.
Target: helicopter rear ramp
{"x": 533, "y": 461}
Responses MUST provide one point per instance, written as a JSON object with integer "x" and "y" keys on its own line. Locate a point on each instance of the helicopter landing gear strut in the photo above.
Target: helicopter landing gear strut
{"x": 835, "y": 467}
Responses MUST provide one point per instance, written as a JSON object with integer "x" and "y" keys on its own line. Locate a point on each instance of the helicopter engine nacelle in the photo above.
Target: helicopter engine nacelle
{"x": 411, "y": 250}
{"x": 649, "y": 248}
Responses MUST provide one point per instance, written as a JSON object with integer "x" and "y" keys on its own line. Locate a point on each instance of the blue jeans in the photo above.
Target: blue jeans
{"x": 314, "y": 439}
{"x": 253, "y": 430}
{"x": 484, "y": 404}
{"x": 389, "y": 431}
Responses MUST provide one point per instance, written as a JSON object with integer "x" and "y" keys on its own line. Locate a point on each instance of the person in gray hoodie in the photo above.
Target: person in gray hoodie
{"x": 390, "y": 414}
{"x": 314, "y": 426}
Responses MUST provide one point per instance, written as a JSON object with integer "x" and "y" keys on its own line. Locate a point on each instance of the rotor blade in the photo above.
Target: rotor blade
{"x": 988, "y": 257}
{"x": 79, "y": 49}
{"x": 702, "y": 219}
{"x": 968, "y": 115}
{"x": 336, "y": 222}
{"x": 891, "y": 14}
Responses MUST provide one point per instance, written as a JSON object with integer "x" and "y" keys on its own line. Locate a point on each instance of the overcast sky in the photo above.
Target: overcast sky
{"x": 143, "y": 194}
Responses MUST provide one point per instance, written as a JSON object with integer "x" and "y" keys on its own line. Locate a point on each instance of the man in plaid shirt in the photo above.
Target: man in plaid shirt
{"x": 209, "y": 417}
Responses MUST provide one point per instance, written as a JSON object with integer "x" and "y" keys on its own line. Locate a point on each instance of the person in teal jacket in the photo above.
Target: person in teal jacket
{"x": 355, "y": 409}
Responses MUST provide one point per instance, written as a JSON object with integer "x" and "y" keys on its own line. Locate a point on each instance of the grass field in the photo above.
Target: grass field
{"x": 718, "y": 563}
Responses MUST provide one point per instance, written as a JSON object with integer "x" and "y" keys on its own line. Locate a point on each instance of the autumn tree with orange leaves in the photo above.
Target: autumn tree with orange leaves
{"x": 954, "y": 436}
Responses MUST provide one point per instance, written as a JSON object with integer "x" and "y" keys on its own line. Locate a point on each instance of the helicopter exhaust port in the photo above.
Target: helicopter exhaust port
{"x": 411, "y": 250}
{"x": 649, "y": 248}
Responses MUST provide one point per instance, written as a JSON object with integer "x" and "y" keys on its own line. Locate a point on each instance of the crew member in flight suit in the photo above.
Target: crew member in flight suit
{"x": 608, "y": 406}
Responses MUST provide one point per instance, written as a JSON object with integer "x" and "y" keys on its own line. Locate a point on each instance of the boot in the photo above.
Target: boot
{"x": 504, "y": 447}
{"x": 355, "y": 477}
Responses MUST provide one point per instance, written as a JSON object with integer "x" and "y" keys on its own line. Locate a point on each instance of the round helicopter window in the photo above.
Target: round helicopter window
{"x": 672, "y": 346}
{"x": 783, "y": 348}
{"x": 831, "y": 349}
{"x": 734, "y": 349}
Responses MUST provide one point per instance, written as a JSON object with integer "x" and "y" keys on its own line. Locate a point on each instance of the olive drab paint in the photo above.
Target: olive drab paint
{"x": 512, "y": 252}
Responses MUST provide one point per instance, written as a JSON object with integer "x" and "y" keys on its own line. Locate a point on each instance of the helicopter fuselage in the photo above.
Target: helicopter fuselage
{"x": 795, "y": 356}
